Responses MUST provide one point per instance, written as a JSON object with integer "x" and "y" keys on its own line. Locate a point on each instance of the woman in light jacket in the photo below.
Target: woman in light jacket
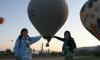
{"x": 22, "y": 46}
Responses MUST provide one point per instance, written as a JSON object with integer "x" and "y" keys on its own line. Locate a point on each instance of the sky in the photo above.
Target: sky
{"x": 16, "y": 18}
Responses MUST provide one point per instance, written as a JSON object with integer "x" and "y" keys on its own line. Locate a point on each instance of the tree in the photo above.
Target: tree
{"x": 8, "y": 51}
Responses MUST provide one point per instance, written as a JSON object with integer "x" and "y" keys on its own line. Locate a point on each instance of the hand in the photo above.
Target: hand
{"x": 53, "y": 36}
{"x": 45, "y": 37}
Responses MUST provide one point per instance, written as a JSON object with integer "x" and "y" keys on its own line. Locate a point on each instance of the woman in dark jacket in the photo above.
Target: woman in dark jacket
{"x": 68, "y": 46}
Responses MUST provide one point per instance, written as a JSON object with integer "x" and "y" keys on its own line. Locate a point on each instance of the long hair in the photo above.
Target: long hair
{"x": 68, "y": 32}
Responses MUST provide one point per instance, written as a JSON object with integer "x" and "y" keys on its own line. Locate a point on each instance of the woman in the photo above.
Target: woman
{"x": 68, "y": 45}
{"x": 22, "y": 46}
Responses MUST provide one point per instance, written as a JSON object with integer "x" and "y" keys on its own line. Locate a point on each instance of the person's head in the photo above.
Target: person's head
{"x": 67, "y": 34}
{"x": 24, "y": 32}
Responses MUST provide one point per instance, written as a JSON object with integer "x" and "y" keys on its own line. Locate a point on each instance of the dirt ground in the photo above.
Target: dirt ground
{"x": 59, "y": 58}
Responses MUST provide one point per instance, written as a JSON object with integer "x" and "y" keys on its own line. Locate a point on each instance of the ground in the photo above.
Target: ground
{"x": 59, "y": 58}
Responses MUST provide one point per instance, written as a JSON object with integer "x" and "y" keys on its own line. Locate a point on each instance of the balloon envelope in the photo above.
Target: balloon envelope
{"x": 47, "y": 15}
{"x": 90, "y": 17}
{"x": 1, "y": 20}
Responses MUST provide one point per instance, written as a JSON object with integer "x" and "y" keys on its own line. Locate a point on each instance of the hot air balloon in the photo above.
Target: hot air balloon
{"x": 1, "y": 20}
{"x": 47, "y": 16}
{"x": 90, "y": 17}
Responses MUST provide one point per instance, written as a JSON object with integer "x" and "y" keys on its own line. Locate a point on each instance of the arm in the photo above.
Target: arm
{"x": 16, "y": 47}
{"x": 74, "y": 44}
{"x": 58, "y": 38}
{"x": 34, "y": 39}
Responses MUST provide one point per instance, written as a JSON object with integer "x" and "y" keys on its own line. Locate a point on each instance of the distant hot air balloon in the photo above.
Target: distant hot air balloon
{"x": 90, "y": 17}
{"x": 1, "y": 20}
{"x": 48, "y": 16}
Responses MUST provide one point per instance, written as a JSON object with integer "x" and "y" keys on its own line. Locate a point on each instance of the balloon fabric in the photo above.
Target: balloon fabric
{"x": 47, "y": 16}
{"x": 90, "y": 17}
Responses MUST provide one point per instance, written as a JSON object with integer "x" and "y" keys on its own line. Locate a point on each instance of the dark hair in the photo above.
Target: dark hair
{"x": 24, "y": 29}
{"x": 68, "y": 32}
